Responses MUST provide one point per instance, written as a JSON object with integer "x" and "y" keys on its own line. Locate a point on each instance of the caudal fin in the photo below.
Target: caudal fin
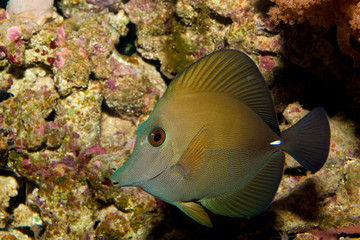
{"x": 308, "y": 140}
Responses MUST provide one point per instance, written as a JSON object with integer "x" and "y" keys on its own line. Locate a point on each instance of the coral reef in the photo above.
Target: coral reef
{"x": 13, "y": 235}
{"x": 342, "y": 13}
{"x": 335, "y": 186}
{"x": 40, "y": 11}
{"x": 71, "y": 100}
{"x": 179, "y": 33}
{"x": 8, "y": 187}
{"x": 132, "y": 73}
{"x": 61, "y": 80}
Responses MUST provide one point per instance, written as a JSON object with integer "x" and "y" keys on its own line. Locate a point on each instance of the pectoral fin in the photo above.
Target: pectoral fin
{"x": 193, "y": 157}
{"x": 196, "y": 212}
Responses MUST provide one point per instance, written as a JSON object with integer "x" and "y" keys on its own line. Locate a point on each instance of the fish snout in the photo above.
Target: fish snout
{"x": 115, "y": 179}
{"x": 121, "y": 178}
{"x": 115, "y": 184}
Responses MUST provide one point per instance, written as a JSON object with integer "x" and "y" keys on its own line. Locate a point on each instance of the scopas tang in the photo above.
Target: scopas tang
{"x": 213, "y": 141}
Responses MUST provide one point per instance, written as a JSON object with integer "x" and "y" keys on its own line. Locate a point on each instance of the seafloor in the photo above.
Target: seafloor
{"x": 77, "y": 79}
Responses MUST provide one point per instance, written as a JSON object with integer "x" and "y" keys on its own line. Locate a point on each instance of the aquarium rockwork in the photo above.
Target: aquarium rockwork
{"x": 79, "y": 77}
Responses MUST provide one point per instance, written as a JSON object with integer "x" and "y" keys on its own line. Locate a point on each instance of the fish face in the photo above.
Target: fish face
{"x": 152, "y": 154}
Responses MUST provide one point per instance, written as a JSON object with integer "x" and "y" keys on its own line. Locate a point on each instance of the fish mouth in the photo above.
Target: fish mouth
{"x": 116, "y": 184}
{"x": 135, "y": 183}
{"x": 157, "y": 175}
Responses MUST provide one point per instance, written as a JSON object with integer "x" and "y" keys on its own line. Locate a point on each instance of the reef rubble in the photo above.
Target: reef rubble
{"x": 73, "y": 92}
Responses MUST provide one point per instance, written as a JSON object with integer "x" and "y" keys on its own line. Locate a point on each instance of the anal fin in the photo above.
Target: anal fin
{"x": 255, "y": 196}
{"x": 196, "y": 212}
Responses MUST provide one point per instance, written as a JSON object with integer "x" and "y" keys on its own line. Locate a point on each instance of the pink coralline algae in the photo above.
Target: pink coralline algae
{"x": 130, "y": 144}
{"x": 111, "y": 85}
{"x": 74, "y": 101}
{"x": 267, "y": 63}
{"x": 75, "y": 135}
{"x": 40, "y": 129}
{"x": 97, "y": 48}
{"x": 13, "y": 33}
{"x": 95, "y": 149}
{"x": 2, "y": 14}
{"x": 102, "y": 4}
{"x": 333, "y": 234}
{"x": 60, "y": 60}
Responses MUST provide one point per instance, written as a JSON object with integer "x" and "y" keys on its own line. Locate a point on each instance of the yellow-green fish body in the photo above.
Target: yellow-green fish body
{"x": 213, "y": 138}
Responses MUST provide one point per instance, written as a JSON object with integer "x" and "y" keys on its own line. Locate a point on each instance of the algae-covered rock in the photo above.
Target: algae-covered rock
{"x": 80, "y": 112}
{"x": 178, "y": 33}
{"x": 39, "y": 11}
{"x": 8, "y": 189}
{"x": 25, "y": 217}
{"x": 13, "y": 235}
{"x": 54, "y": 101}
{"x": 132, "y": 73}
{"x": 328, "y": 199}
{"x": 71, "y": 103}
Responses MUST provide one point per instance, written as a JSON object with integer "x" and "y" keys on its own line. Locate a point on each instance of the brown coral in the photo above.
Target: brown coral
{"x": 345, "y": 14}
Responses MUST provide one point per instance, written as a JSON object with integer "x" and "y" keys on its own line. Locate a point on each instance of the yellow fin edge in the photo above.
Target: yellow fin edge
{"x": 196, "y": 212}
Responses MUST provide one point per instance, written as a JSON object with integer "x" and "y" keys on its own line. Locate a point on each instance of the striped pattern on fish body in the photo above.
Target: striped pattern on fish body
{"x": 213, "y": 141}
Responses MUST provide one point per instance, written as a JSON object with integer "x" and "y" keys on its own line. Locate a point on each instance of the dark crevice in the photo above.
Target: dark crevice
{"x": 309, "y": 194}
{"x": 4, "y": 95}
{"x": 96, "y": 223}
{"x": 357, "y": 131}
{"x": 157, "y": 65}
{"x": 293, "y": 81}
{"x": 93, "y": 76}
{"x": 106, "y": 109}
{"x": 354, "y": 43}
{"x": 179, "y": 20}
{"x": 45, "y": 67}
{"x": 17, "y": 71}
{"x": 316, "y": 78}
{"x": 14, "y": 202}
{"x": 3, "y": 3}
{"x": 58, "y": 8}
{"x": 102, "y": 204}
{"x": 126, "y": 45}
{"x": 344, "y": 59}
{"x": 263, "y": 6}
{"x": 51, "y": 116}
{"x": 268, "y": 53}
{"x": 349, "y": 235}
{"x": 7, "y": 173}
{"x": 26, "y": 231}
{"x": 298, "y": 171}
{"x": 220, "y": 19}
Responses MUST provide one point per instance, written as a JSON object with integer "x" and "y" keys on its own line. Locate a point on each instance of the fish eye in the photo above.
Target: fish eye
{"x": 156, "y": 137}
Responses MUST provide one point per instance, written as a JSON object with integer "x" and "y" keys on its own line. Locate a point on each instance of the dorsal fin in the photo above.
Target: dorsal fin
{"x": 229, "y": 72}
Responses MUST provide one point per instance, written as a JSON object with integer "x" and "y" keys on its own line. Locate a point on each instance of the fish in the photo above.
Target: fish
{"x": 213, "y": 141}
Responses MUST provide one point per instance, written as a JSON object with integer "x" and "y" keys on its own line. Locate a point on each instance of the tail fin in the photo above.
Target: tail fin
{"x": 308, "y": 140}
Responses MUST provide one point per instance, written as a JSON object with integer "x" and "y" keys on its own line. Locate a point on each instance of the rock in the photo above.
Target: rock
{"x": 70, "y": 106}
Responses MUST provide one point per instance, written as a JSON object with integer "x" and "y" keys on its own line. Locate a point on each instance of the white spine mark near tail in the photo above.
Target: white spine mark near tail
{"x": 277, "y": 142}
